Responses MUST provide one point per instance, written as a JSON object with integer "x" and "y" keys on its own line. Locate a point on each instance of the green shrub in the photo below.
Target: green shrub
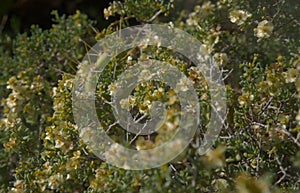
{"x": 31, "y": 71}
{"x": 257, "y": 49}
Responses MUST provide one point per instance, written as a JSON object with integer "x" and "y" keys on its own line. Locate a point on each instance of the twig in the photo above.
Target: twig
{"x": 118, "y": 21}
{"x": 153, "y": 17}
{"x": 283, "y": 170}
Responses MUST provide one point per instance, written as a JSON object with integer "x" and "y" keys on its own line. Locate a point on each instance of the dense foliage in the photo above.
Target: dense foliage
{"x": 257, "y": 47}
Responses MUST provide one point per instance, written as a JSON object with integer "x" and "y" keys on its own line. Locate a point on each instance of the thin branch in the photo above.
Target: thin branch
{"x": 153, "y": 17}
{"x": 283, "y": 170}
{"x": 118, "y": 21}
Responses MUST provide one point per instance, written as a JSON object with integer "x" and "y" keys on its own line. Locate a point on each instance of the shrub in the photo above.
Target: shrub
{"x": 257, "y": 150}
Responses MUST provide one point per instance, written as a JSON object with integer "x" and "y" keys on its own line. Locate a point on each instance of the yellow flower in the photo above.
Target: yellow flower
{"x": 68, "y": 84}
{"x": 298, "y": 116}
{"x": 183, "y": 85}
{"x": 145, "y": 107}
{"x": 291, "y": 75}
{"x": 142, "y": 144}
{"x": 77, "y": 154}
{"x": 221, "y": 58}
{"x": 10, "y": 144}
{"x": 55, "y": 180}
{"x": 205, "y": 49}
{"x": 112, "y": 88}
{"x": 246, "y": 184}
{"x": 205, "y": 9}
{"x": 245, "y": 98}
{"x": 18, "y": 187}
{"x": 264, "y": 29}
{"x": 216, "y": 158}
{"x": 58, "y": 143}
{"x": 11, "y": 101}
{"x": 124, "y": 103}
{"x": 239, "y": 16}
{"x": 108, "y": 12}
{"x": 145, "y": 75}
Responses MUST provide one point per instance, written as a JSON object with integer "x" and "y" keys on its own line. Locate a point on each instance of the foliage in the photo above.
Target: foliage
{"x": 30, "y": 81}
{"x": 257, "y": 49}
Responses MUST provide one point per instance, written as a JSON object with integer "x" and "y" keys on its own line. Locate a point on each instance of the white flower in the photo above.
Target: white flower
{"x": 112, "y": 88}
{"x": 221, "y": 58}
{"x": 204, "y": 52}
{"x": 298, "y": 116}
{"x": 204, "y": 49}
{"x": 131, "y": 100}
{"x": 68, "y": 84}
{"x": 19, "y": 185}
{"x": 108, "y": 12}
{"x": 11, "y": 102}
{"x": 55, "y": 180}
{"x": 207, "y": 7}
{"x": 197, "y": 8}
{"x": 144, "y": 44}
{"x": 157, "y": 41}
{"x": 145, "y": 75}
{"x": 112, "y": 152}
{"x": 291, "y": 75}
{"x": 54, "y": 91}
{"x": 239, "y": 16}
{"x": 191, "y": 22}
{"x": 125, "y": 103}
{"x": 145, "y": 107}
{"x": 183, "y": 85}
{"x": 171, "y": 25}
{"x": 264, "y": 29}
{"x": 129, "y": 58}
{"x": 58, "y": 143}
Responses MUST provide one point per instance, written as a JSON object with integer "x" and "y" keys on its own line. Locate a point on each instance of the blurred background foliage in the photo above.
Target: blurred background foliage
{"x": 256, "y": 44}
{"x": 18, "y": 15}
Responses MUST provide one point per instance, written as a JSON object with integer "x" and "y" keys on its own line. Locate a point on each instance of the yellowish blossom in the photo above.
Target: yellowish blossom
{"x": 246, "y": 184}
{"x": 221, "y": 58}
{"x": 112, "y": 88}
{"x": 207, "y": 7}
{"x": 264, "y": 29}
{"x": 55, "y": 180}
{"x": 145, "y": 75}
{"x": 108, "y": 12}
{"x": 291, "y": 75}
{"x": 124, "y": 103}
{"x": 10, "y": 144}
{"x": 245, "y": 98}
{"x": 239, "y": 16}
{"x": 298, "y": 116}
{"x": 216, "y": 158}
{"x": 183, "y": 85}
{"x": 58, "y": 143}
